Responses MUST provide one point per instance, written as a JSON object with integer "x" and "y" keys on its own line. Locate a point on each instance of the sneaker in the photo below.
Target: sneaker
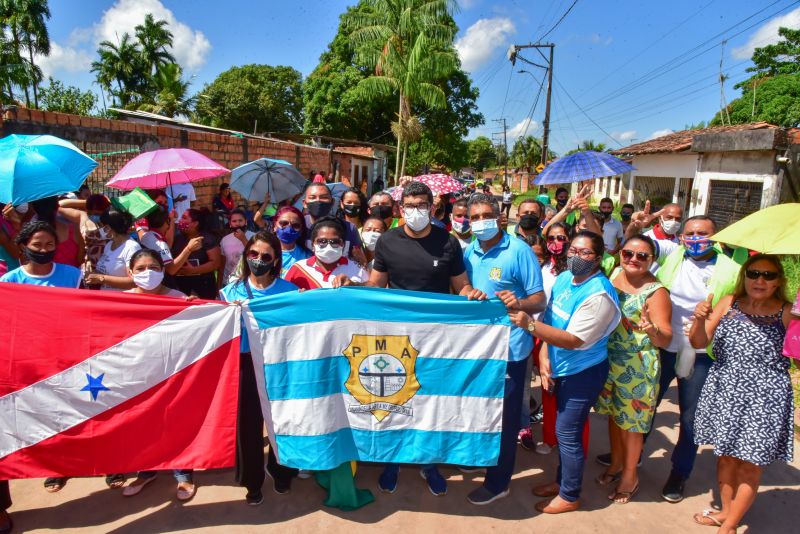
{"x": 537, "y": 417}
{"x": 304, "y": 474}
{"x": 482, "y": 496}
{"x": 387, "y": 482}
{"x": 436, "y": 482}
{"x": 673, "y": 489}
{"x": 470, "y": 470}
{"x": 254, "y": 499}
{"x": 525, "y": 439}
{"x": 543, "y": 448}
{"x": 605, "y": 459}
{"x": 281, "y": 485}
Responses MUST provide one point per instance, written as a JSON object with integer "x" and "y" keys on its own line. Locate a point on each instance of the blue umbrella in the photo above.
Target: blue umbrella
{"x": 277, "y": 177}
{"x": 586, "y": 165}
{"x": 39, "y": 166}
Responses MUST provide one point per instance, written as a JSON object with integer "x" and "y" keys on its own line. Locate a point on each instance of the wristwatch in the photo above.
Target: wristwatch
{"x": 532, "y": 326}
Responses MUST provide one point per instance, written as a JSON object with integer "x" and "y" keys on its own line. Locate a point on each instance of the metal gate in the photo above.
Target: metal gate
{"x": 730, "y": 201}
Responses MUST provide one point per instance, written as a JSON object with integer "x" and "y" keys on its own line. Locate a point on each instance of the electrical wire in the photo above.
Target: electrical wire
{"x": 548, "y": 32}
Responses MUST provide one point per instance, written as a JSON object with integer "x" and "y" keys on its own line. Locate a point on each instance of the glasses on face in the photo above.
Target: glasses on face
{"x": 423, "y": 206}
{"x": 265, "y": 257}
{"x": 335, "y": 242}
{"x": 284, "y": 224}
{"x": 561, "y": 238}
{"x": 582, "y": 252}
{"x": 628, "y": 255}
{"x": 769, "y": 276}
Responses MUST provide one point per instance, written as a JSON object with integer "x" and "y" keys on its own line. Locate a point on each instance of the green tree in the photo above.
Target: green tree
{"x": 33, "y": 24}
{"x": 172, "y": 93}
{"x": 242, "y": 96}
{"x": 586, "y": 145}
{"x": 481, "y": 153}
{"x": 121, "y": 64}
{"x": 67, "y": 99}
{"x": 409, "y": 44}
{"x": 13, "y": 69}
{"x": 154, "y": 39}
{"x": 24, "y": 21}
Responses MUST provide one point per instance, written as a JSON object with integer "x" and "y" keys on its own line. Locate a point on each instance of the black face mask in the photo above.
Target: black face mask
{"x": 606, "y": 214}
{"x": 561, "y": 203}
{"x": 258, "y": 267}
{"x": 352, "y": 210}
{"x": 234, "y": 228}
{"x": 319, "y": 208}
{"x": 40, "y": 258}
{"x": 384, "y": 212}
{"x": 625, "y": 216}
{"x": 529, "y": 221}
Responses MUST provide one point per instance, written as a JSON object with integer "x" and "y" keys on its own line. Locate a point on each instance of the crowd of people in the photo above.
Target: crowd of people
{"x": 608, "y": 313}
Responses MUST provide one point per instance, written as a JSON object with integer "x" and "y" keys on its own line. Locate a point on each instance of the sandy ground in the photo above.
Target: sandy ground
{"x": 86, "y": 505}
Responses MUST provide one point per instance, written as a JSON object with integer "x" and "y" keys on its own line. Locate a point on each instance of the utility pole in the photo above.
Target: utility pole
{"x": 513, "y": 56}
{"x": 505, "y": 148}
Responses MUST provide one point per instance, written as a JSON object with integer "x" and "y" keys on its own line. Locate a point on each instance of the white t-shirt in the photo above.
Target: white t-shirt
{"x": 232, "y": 249}
{"x": 584, "y": 323}
{"x": 663, "y": 244}
{"x": 507, "y": 197}
{"x": 155, "y": 242}
{"x": 612, "y": 233}
{"x": 688, "y": 289}
{"x": 114, "y": 262}
{"x": 178, "y": 190}
{"x": 548, "y": 279}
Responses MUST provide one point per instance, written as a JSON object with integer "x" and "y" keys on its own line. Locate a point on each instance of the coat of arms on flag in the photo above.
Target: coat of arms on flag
{"x": 382, "y": 376}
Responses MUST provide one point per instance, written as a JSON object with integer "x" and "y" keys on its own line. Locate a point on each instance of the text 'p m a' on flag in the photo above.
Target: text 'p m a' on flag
{"x": 99, "y": 382}
{"x": 380, "y": 375}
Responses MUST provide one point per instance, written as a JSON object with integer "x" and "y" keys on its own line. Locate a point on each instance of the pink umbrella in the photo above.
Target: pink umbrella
{"x": 440, "y": 184}
{"x": 159, "y": 169}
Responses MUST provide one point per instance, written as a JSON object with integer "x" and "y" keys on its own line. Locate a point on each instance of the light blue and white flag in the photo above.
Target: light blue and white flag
{"x": 380, "y": 375}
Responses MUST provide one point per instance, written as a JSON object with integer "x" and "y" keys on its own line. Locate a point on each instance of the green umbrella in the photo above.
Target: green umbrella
{"x": 772, "y": 230}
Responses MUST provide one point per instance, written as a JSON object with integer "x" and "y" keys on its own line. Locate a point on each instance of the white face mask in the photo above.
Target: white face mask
{"x": 416, "y": 219}
{"x": 328, "y": 254}
{"x": 670, "y": 227}
{"x": 370, "y": 239}
{"x": 149, "y": 279}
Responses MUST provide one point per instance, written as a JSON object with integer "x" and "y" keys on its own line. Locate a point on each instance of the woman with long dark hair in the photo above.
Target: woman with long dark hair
{"x": 290, "y": 227}
{"x": 353, "y": 207}
{"x": 260, "y": 277}
{"x": 196, "y": 276}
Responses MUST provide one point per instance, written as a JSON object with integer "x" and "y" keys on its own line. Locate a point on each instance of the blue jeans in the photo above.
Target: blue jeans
{"x": 689, "y": 389}
{"x": 181, "y": 475}
{"x": 525, "y": 412}
{"x": 498, "y": 477}
{"x": 575, "y": 396}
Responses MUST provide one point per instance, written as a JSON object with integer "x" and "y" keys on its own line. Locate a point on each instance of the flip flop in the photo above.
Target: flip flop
{"x": 606, "y": 479}
{"x": 706, "y": 519}
{"x": 115, "y": 481}
{"x": 623, "y": 497}
{"x": 186, "y": 490}
{"x": 55, "y": 484}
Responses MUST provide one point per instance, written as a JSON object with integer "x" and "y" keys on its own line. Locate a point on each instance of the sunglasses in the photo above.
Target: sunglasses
{"x": 335, "y": 242}
{"x": 265, "y": 257}
{"x": 629, "y": 254}
{"x": 769, "y": 276}
{"x": 561, "y": 238}
{"x": 284, "y": 224}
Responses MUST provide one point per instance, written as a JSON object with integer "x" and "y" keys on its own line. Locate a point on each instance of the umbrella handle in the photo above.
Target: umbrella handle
{"x": 170, "y": 203}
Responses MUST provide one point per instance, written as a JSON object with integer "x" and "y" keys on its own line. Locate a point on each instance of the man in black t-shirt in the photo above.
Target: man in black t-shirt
{"x": 420, "y": 257}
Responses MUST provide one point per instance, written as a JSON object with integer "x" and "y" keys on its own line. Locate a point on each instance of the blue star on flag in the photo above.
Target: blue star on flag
{"x": 95, "y": 385}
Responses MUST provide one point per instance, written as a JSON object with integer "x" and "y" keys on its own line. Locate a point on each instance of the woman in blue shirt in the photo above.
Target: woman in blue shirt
{"x": 575, "y": 364}
{"x": 260, "y": 277}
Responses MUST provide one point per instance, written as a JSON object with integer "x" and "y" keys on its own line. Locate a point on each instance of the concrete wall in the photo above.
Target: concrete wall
{"x": 744, "y": 166}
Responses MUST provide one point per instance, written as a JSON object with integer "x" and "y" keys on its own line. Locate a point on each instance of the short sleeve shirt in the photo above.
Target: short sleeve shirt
{"x": 200, "y": 256}
{"x": 232, "y": 250}
{"x": 114, "y": 262}
{"x": 155, "y": 242}
{"x": 612, "y": 233}
{"x": 307, "y": 274}
{"x": 424, "y": 264}
{"x": 61, "y": 276}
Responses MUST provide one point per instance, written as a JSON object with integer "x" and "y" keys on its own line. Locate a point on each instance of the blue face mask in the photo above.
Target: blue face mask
{"x": 697, "y": 245}
{"x": 95, "y": 219}
{"x": 287, "y": 234}
{"x": 485, "y": 230}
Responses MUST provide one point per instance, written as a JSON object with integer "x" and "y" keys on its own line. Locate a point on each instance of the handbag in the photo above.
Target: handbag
{"x": 791, "y": 343}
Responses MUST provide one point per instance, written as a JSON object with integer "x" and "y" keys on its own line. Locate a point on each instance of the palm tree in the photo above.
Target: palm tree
{"x": 37, "y": 39}
{"x": 120, "y": 64}
{"x": 409, "y": 43}
{"x": 154, "y": 38}
{"x": 171, "y": 96}
{"x": 13, "y": 70}
{"x": 589, "y": 145}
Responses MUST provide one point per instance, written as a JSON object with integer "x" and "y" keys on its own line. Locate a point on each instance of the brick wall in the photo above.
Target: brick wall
{"x": 100, "y": 136}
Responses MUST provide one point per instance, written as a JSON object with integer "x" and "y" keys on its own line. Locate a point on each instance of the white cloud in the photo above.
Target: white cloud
{"x": 767, "y": 34}
{"x": 467, "y": 4}
{"x": 660, "y": 133}
{"x": 526, "y": 126}
{"x": 64, "y": 59}
{"x": 482, "y": 39}
{"x": 625, "y": 137}
{"x": 190, "y": 47}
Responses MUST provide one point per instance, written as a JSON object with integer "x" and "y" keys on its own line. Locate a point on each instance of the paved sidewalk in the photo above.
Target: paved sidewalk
{"x": 87, "y": 505}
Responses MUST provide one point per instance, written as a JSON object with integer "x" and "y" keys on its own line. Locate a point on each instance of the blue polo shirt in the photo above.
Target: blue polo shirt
{"x": 509, "y": 265}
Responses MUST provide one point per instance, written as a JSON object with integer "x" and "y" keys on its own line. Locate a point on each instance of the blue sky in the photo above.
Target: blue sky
{"x": 625, "y": 70}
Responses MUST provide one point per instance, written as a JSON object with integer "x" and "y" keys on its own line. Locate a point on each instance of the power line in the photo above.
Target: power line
{"x": 586, "y": 114}
{"x": 559, "y": 21}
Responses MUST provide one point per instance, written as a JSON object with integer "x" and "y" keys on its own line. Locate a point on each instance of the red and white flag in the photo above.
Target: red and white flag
{"x": 100, "y": 382}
